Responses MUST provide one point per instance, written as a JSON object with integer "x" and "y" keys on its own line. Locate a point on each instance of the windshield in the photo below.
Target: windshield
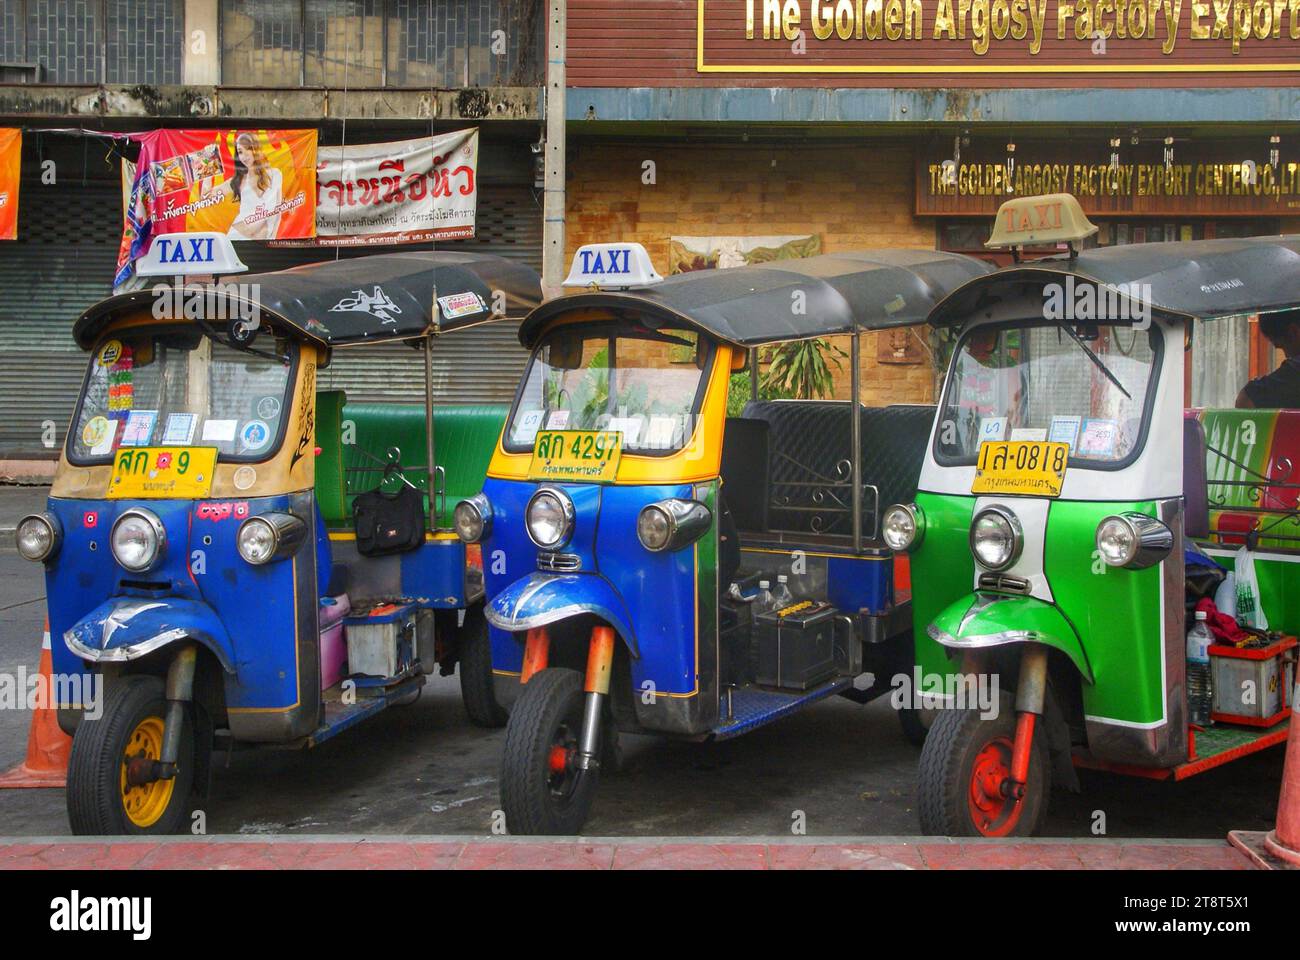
{"x": 645, "y": 385}
{"x": 177, "y": 388}
{"x": 1087, "y": 386}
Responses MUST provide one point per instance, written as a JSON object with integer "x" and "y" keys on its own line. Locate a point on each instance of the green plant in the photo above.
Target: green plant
{"x": 802, "y": 369}
{"x": 738, "y": 393}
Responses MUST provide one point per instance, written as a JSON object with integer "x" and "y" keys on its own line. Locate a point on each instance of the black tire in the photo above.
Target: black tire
{"x": 97, "y": 804}
{"x": 477, "y": 690}
{"x": 536, "y": 800}
{"x": 914, "y": 726}
{"x": 944, "y": 778}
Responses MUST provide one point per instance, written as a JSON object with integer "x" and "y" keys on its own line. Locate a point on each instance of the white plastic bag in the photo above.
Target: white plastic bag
{"x": 1250, "y": 612}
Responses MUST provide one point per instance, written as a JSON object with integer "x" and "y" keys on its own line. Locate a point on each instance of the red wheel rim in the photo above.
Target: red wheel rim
{"x": 993, "y": 812}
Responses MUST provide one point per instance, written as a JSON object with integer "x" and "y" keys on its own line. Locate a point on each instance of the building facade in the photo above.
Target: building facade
{"x": 872, "y": 123}
{"x": 359, "y": 71}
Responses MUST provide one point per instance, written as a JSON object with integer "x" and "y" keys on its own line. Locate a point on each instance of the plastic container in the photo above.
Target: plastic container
{"x": 781, "y": 596}
{"x": 333, "y": 645}
{"x": 1200, "y": 679}
{"x": 1225, "y": 598}
{"x": 763, "y": 602}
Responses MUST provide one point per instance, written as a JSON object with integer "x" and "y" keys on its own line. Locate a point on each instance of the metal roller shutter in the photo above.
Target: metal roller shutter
{"x": 64, "y": 260}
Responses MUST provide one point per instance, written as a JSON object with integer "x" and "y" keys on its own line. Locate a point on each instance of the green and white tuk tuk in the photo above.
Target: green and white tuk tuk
{"x": 1062, "y": 485}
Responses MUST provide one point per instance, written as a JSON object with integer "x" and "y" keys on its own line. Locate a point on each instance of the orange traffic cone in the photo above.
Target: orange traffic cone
{"x": 48, "y": 747}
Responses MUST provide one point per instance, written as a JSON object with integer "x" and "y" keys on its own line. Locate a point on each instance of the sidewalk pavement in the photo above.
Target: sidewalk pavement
{"x": 16, "y": 501}
{"x": 732, "y": 853}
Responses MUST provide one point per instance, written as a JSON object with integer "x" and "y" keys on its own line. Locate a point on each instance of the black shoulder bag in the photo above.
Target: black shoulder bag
{"x": 388, "y": 523}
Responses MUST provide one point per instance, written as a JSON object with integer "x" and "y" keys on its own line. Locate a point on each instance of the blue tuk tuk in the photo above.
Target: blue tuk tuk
{"x": 214, "y": 523}
{"x": 629, "y": 525}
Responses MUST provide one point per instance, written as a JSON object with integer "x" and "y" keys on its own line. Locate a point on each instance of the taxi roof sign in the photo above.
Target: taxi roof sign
{"x": 188, "y": 254}
{"x": 1052, "y": 218}
{"x": 611, "y": 266}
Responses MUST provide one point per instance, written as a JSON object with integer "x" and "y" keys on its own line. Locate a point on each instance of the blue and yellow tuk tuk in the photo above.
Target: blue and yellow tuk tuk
{"x": 627, "y": 522}
{"x": 214, "y": 523}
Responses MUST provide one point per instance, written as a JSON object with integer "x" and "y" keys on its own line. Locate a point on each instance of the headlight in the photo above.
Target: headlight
{"x": 269, "y": 536}
{"x": 901, "y": 526}
{"x": 672, "y": 524}
{"x": 138, "y": 540}
{"x": 473, "y": 518}
{"x": 1133, "y": 540}
{"x": 549, "y": 518}
{"x": 996, "y": 538}
{"x": 38, "y": 536}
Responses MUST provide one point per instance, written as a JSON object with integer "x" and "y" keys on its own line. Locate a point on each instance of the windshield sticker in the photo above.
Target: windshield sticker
{"x": 109, "y": 353}
{"x": 1029, "y": 433}
{"x": 179, "y": 431}
{"x": 558, "y": 420}
{"x": 219, "y": 431}
{"x": 1065, "y": 430}
{"x": 98, "y": 436}
{"x": 993, "y": 428}
{"x": 1098, "y": 439}
{"x": 530, "y": 421}
{"x": 268, "y": 408}
{"x": 254, "y": 436}
{"x": 461, "y": 305}
{"x": 245, "y": 477}
{"x": 629, "y": 427}
{"x": 139, "y": 428}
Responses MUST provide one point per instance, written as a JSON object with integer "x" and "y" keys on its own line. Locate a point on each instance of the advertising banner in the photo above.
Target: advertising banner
{"x": 247, "y": 184}
{"x": 406, "y": 191}
{"x": 11, "y": 148}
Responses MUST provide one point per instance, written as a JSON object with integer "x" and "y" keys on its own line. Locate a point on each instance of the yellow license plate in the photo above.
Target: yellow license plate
{"x": 590, "y": 456}
{"x": 1034, "y": 468}
{"x": 162, "y": 472}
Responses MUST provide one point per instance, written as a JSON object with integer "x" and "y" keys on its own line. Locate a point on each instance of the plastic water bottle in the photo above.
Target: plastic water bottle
{"x": 763, "y": 602}
{"x": 1200, "y": 692}
{"x": 782, "y": 597}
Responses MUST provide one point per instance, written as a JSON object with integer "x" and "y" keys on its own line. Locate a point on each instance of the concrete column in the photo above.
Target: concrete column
{"x": 201, "y": 61}
{"x": 553, "y": 266}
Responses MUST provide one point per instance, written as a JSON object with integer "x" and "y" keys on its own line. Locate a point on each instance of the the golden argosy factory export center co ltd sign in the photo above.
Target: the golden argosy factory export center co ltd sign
{"x": 954, "y": 36}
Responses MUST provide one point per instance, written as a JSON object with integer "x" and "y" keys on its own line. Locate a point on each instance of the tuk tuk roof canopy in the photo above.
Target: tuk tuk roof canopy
{"x": 782, "y": 300}
{"x": 371, "y": 299}
{"x": 1190, "y": 279}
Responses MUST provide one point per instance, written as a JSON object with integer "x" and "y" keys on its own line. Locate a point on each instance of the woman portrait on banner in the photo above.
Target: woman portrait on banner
{"x": 257, "y": 187}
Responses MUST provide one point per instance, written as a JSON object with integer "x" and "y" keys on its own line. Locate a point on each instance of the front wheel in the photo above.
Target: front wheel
{"x": 964, "y": 773}
{"x": 110, "y": 790}
{"x": 543, "y": 791}
{"x": 477, "y": 689}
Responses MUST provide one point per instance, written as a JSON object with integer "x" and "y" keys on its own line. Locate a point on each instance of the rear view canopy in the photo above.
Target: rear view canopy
{"x": 788, "y": 299}
{"x": 373, "y": 299}
{"x": 1192, "y": 278}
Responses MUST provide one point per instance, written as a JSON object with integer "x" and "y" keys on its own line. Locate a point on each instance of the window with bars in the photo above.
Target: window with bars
{"x": 95, "y": 41}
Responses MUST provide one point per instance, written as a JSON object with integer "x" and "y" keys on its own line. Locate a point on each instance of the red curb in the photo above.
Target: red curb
{"x": 356, "y": 853}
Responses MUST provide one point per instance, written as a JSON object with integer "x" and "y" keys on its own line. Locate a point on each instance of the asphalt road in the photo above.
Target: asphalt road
{"x": 424, "y": 769}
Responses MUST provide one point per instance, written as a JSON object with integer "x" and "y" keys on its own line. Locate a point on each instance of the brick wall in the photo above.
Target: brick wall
{"x": 853, "y": 196}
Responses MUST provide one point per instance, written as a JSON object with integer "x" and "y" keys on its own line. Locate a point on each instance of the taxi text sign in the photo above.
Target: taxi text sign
{"x": 585, "y": 456}
{"x": 11, "y": 150}
{"x": 1033, "y": 468}
{"x": 180, "y": 473}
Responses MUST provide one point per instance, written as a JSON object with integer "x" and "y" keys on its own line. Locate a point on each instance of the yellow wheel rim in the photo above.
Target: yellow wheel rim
{"x": 145, "y": 803}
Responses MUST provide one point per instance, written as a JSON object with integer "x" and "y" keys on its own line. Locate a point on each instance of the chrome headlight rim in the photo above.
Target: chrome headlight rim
{"x": 1150, "y": 540}
{"x": 159, "y": 534}
{"x": 1009, "y": 517}
{"x": 566, "y": 508}
{"x": 916, "y": 517}
{"x": 287, "y": 534}
{"x": 482, "y": 511}
{"x": 686, "y": 521}
{"x": 54, "y": 531}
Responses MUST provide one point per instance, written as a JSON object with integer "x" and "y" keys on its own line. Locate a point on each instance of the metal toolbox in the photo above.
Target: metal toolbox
{"x": 381, "y": 639}
{"x": 796, "y": 645}
{"x": 1252, "y": 685}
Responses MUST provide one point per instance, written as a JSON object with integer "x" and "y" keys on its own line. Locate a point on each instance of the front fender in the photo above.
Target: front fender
{"x": 128, "y": 628}
{"x": 545, "y": 598}
{"x": 991, "y": 620}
